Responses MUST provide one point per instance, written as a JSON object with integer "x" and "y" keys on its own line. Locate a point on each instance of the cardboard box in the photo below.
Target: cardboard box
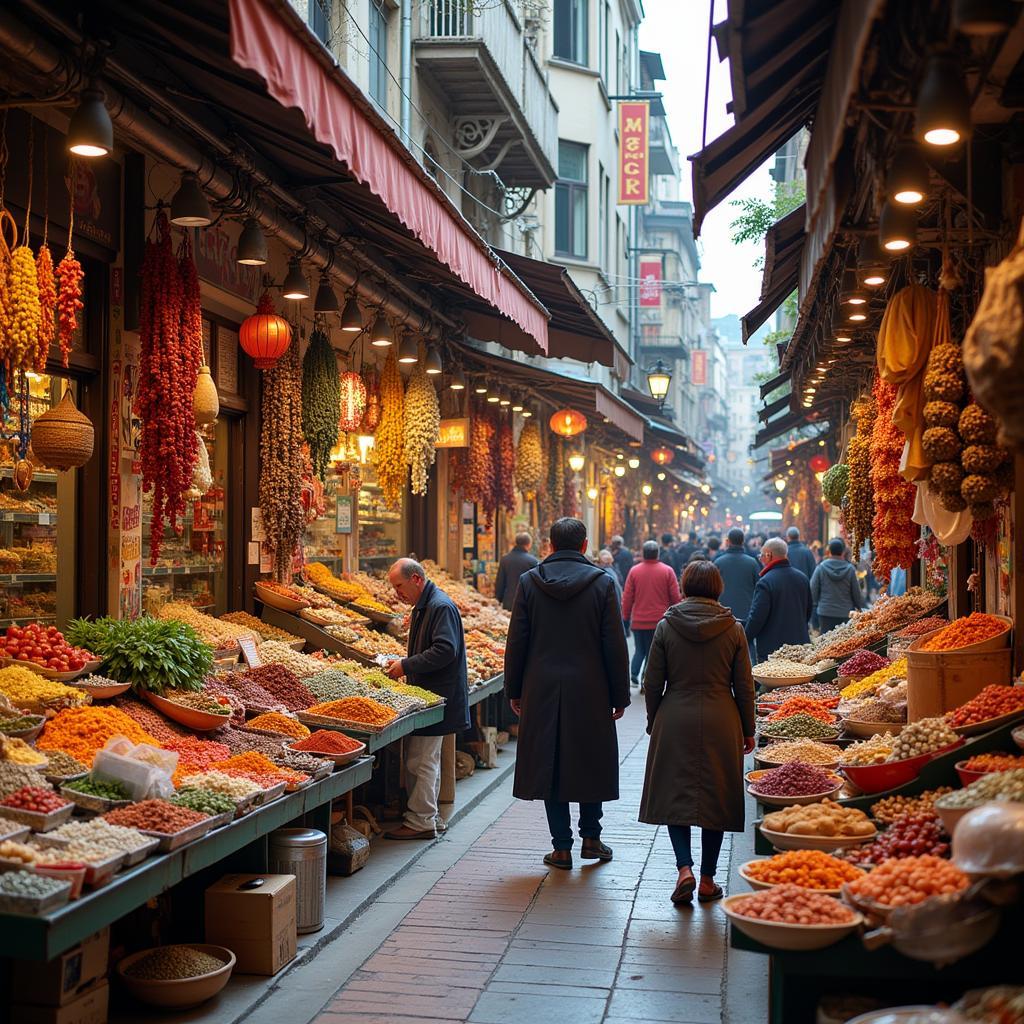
{"x": 59, "y": 981}
{"x": 257, "y": 925}
{"x": 89, "y": 1008}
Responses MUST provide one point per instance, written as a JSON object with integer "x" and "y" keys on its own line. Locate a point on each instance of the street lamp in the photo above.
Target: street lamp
{"x": 576, "y": 462}
{"x": 659, "y": 378}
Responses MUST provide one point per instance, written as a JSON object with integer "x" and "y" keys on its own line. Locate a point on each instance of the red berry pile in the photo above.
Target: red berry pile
{"x": 44, "y": 646}
{"x": 913, "y": 835}
{"x": 862, "y": 663}
{"x": 794, "y": 779}
{"x": 34, "y": 798}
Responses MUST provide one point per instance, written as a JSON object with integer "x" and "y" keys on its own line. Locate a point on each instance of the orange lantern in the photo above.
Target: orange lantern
{"x": 353, "y": 400}
{"x": 568, "y": 422}
{"x": 265, "y": 336}
{"x": 663, "y": 456}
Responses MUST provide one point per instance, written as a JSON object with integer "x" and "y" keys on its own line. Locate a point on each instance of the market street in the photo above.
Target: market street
{"x": 501, "y": 938}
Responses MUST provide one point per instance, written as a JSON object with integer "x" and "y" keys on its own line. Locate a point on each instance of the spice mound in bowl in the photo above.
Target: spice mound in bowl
{"x": 177, "y": 976}
{"x": 796, "y": 778}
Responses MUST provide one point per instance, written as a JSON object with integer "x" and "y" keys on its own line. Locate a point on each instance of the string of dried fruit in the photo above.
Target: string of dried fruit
{"x": 353, "y": 401}
{"x": 544, "y": 502}
{"x": 893, "y": 533}
{"x": 529, "y": 460}
{"x": 481, "y": 468}
{"x": 506, "y": 475}
{"x": 159, "y": 337}
{"x": 190, "y": 353}
{"x": 280, "y": 485}
{"x": 48, "y": 307}
{"x": 389, "y": 450}
{"x": 321, "y": 400}
{"x": 988, "y": 473}
{"x": 422, "y": 423}
{"x": 944, "y": 388}
{"x": 70, "y": 278}
{"x": 860, "y": 510}
{"x": 24, "y": 312}
{"x": 557, "y": 477}
{"x": 371, "y": 413}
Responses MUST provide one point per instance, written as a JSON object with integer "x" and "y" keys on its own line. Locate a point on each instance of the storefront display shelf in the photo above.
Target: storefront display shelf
{"x": 487, "y": 689}
{"x": 35, "y": 518}
{"x": 182, "y": 570}
{"x": 38, "y": 477}
{"x": 15, "y": 578}
{"x": 389, "y": 734}
{"x": 48, "y": 935}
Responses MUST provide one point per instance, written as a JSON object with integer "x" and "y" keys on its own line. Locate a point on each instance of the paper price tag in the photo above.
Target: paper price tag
{"x": 250, "y": 652}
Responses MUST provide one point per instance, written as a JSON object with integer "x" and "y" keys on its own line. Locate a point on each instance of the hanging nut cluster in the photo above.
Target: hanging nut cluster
{"x": 422, "y": 424}
{"x": 860, "y": 503}
{"x": 389, "y": 449}
{"x": 529, "y": 461}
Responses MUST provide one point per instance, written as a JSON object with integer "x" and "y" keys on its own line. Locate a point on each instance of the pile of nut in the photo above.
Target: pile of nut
{"x": 779, "y": 668}
{"x": 995, "y": 786}
{"x": 875, "y": 750}
{"x": 922, "y": 737}
{"x": 890, "y": 808}
{"x": 97, "y": 839}
{"x": 827, "y": 819}
{"x": 173, "y": 963}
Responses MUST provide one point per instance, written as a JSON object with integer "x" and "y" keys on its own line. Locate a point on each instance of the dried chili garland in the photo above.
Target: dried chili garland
{"x": 506, "y": 475}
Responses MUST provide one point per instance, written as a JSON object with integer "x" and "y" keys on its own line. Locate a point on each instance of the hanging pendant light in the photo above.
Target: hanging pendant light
{"x": 408, "y": 350}
{"x": 480, "y": 388}
{"x": 432, "y": 364}
{"x": 504, "y": 398}
{"x": 852, "y": 294}
{"x": 326, "y": 300}
{"x": 493, "y": 397}
{"x": 295, "y": 286}
{"x": 872, "y": 262}
{"x": 908, "y": 182}
{"x": 380, "y": 332}
{"x": 457, "y": 381}
{"x": 527, "y": 414}
{"x": 943, "y": 112}
{"x": 91, "y": 132}
{"x": 189, "y": 207}
{"x": 897, "y": 227}
{"x": 841, "y": 333}
{"x": 983, "y": 17}
{"x": 252, "y": 244}
{"x": 577, "y": 461}
{"x": 351, "y": 315}
{"x": 517, "y": 403}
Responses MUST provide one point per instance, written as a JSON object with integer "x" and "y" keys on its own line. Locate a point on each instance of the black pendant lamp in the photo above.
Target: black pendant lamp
{"x": 872, "y": 262}
{"x": 457, "y": 380}
{"x": 943, "y": 113}
{"x": 351, "y": 316}
{"x": 189, "y": 207}
{"x": 380, "y": 333}
{"x": 91, "y": 132}
{"x": 432, "y": 363}
{"x": 295, "y": 286}
{"x": 852, "y": 293}
{"x": 408, "y": 349}
{"x": 252, "y": 244}
{"x": 908, "y": 182}
{"x": 326, "y": 300}
{"x": 897, "y": 227}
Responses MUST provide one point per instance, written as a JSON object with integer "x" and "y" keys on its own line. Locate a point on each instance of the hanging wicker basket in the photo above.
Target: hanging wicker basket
{"x": 62, "y": 437}
{"x": 205, "y": 403}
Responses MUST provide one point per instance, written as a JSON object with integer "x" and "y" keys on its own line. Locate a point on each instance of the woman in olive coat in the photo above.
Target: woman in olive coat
{"x": 700, "y": 716}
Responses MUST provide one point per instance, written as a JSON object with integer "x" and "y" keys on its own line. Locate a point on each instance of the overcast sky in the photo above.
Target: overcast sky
{"x": 677, "y": 29}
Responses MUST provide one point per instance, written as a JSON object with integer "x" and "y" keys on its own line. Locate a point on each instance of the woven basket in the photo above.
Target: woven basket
{"x": 62, "y": 437}
{"x": 205, "y": 403}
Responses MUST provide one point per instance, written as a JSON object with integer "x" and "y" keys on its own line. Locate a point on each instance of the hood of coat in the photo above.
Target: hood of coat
{"x": 836, "y": 568}
{"x": 699, "y": 620}
{"x": 565, "y": 574}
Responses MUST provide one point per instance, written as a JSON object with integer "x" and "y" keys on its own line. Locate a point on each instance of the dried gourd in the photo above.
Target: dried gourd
{"x": 422, "y": 423}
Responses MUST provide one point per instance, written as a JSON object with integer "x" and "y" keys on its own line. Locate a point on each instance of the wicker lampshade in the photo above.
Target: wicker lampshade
{"x": 62, "y": 437}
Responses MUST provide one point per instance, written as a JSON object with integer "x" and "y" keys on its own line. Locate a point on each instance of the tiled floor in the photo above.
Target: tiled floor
{"x": 500, "y": 939}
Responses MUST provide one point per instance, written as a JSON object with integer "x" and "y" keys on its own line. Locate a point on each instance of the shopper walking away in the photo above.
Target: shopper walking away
{"x": 511, "y": 567}
{"x": 565, "y": 676}
{"x": 800, "y": 555}
{"x": 739, "y": 573}
{"x": 684, "y": 551}
{"x": 714, "y": 548}
{"x": 835, "y": 588}
{"x": 700, "y": 717}
{"x": 437, "y": 662}
{"x": 651, "y": 588}
{"x": 782, "y": 605}
{"x": 606, "y": 562}
{"x": 623, "y": 558}
{"x": 667, "y": 552}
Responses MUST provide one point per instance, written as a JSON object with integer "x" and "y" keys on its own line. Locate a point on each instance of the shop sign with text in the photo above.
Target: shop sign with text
{"x": 699, "y": 367}
{"x": 650, "y": 282}
{"x": 634, "y": 152}
{"x": 453, "y": 434}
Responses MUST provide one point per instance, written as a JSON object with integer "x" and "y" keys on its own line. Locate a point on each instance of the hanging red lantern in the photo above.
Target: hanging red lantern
{"x": 663, "y": 456}
{"x": 265, "y": 336}
{"x": 353, "y": 401}
{"x": 568, "y": 422}
{"x": 819, "y": 463}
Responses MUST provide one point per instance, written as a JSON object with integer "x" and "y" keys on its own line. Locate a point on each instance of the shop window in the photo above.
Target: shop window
{"x": 378, "y": 54}
{"x": 318, "y": 18}
{"x": 570, "y": 30}
{"x": 381, "y": 538}
{"x": 571, "y": 200}
{"x": 37, "y": 522}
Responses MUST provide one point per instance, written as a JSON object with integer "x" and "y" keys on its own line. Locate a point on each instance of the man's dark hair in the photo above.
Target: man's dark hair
{"x": 568, "y": 534}
{"x": 701, "y": 578}
{"x": 650, "y": 550}
{"x": 666, "y": 539}
{"x": 692, "y": 535}
{"x": 714, "y": 543}
{"x": 837, "y": 547}
{"x": 698, "y": 556}
{"x": 736, "y": 537}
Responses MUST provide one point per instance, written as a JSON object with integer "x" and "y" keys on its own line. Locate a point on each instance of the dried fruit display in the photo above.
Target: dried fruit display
{"x": 24, "y": 315}
{"x": 321, "y": 400}
{"x": 47, "y": 283}
{"x": 893, "y": 532}
{"x": 835, "y": 483}
{"x": 529, "y": 460}
{"x": 422, "y": 423}
{"x": 280, "y": 486}
{"x": 860, "y": 504}
{"x": 171, "y": 350}
{"x": 371, "y": 415}
{"x": 505, "y": 477}
{"x": 70, "y": 277}
{"x": 480, "y": 466}
{"x": 353, "y": 401}
{"x": 389, "y": 450}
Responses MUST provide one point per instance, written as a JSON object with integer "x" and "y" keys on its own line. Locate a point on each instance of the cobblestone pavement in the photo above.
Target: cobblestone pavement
{"x": 500, "y": 939}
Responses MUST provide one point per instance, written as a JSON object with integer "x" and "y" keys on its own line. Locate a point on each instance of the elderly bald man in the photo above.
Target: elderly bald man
{"x": 781, "y": 606}
{"x": 437, "y": 662}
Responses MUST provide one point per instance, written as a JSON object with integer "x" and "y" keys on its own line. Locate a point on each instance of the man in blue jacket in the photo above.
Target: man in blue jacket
{"x": 800, "y": 555}
{"x": 782, "y": 605}
{"x": 437, "y": 662}
{"x": 740, "y": 573}
{"x": 835, "y": 588}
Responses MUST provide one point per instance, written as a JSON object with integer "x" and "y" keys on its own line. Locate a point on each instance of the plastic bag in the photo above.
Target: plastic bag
{"x": 145, "y": 771}
{"x": 989, "y": 840}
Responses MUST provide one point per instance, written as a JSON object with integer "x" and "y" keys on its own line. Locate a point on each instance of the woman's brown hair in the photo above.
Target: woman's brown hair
{"x": 702, "y": 579}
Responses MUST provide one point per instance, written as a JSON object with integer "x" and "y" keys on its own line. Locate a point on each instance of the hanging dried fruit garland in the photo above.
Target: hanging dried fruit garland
{"x": 389, "y": 449}
{"x": 859, "y": 505}
{"x": 281, "y": 459}
{"x": 556, "y": 479}
{"x": 170, "y": 334}
{"x": 505, "y": 477}
{"x": 371, "y": 414}
{"x": 529, "y": 461}
{"x": 24, "y": 315}
{"x": 422, "y": 423}
{"x": 321, "y": 401}
{"x": 480, "y": 466}
{"x": 353, "y": 402}
{"x": 47, "y": 284}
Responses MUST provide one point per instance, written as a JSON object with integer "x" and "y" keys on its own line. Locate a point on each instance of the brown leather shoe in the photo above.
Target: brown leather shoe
{"x": 404, "y": 832}
{"x": 594, "y": 849}
{"x": 561, "y": 859}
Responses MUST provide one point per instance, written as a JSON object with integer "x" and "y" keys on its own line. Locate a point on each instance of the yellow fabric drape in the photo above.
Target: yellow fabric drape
{"x": 904, "y": 342}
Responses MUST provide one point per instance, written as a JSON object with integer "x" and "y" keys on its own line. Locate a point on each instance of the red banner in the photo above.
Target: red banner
{"x": 634, "y": 153}
{"x": 699, "y": 367}
{"x": 650, "y": 282}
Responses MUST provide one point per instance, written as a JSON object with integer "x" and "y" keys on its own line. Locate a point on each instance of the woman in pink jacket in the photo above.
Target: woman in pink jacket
{"x": 652, "y": 587}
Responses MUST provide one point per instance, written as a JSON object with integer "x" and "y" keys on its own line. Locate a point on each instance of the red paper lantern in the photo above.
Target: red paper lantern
{"x": 818, "y": 463}
{"x": 568, "y": 422}
{"x": 353, "y": 401}
{"x": 663, "y": 456}
{"x": 265, "y": 336}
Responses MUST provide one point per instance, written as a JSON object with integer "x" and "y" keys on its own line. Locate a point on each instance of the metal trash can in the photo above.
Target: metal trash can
{"x": 302, "y": 852}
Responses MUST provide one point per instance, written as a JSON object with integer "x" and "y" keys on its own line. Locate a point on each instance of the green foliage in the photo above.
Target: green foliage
{"x": 151, "y": 654}
{"x": 756, "y": 215}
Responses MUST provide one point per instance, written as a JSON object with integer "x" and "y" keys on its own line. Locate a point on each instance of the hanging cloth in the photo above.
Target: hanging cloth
{"x": 905, "y": 339}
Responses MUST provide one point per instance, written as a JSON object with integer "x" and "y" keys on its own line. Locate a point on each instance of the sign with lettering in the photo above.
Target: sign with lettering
{"x": 650, "y": 283}
{"x": 343, "y": 514}
{"x": 699, "y": 367}
{"x": 634, "y": 152}
{"x": 249, "y": 651}
{"x": 453, "y": 434}
{"x": 216, "y": 263}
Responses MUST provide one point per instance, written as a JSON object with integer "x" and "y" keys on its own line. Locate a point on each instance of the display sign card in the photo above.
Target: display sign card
{"x": 343, "y": 514}
{"x": 250, "y": 652}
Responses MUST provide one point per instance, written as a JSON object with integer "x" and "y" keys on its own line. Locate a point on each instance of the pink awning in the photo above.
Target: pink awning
{"x": 268, "y": 38}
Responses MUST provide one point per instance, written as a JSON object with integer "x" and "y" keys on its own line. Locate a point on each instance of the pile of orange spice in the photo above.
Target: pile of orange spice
{"x": 973, "y": 629}
{"x": 810, "y": 869}
{"x": 323, "y": 741}
{"x": 81, "y": 732}
{"x": 356, "y": 709}
{"x": 803, "y": 705}
{"x": 252, "y": 765}
{"x": 274, "y": 721}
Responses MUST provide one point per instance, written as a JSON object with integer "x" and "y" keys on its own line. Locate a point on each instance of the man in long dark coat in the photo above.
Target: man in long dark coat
{"x": 567, "y": 677}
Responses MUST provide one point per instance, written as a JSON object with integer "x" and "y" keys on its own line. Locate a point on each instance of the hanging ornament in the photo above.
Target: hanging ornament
{"x": 353, "y": 400}
{"x": 568, "y": 422}
{"x": 62, "y": 437}
{"x": 663, "y": 456}
{"x": 205, "y": 403}
{"x": 265, "y": 336}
